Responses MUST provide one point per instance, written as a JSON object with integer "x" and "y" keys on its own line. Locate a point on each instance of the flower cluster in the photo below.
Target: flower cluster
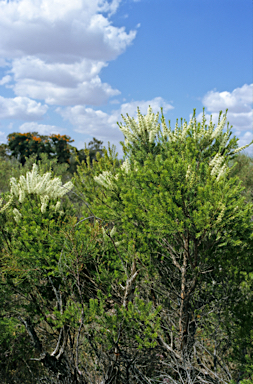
{"x": 6, "y": 205}
{"x": 17, "y": 215}
{"x": 126, "y": 166}
{"x": 190, "y": 176}
{"x": 221, "y": 214}
{"x": 199, "y": 131}
{"x": 147, "y": 125}
{"x": 43, "y": 186}
{"x": 108, "y": 180}
{"x": 217, "y": 169}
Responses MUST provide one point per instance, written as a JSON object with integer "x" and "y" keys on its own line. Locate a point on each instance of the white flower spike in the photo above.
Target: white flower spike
{"x": 42, "y": 186}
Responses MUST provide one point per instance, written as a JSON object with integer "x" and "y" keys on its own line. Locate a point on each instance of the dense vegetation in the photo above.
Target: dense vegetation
{"x": 126, "y": 272}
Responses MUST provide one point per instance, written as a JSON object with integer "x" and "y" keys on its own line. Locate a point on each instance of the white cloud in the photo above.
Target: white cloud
{"x": 21, "y": 108}
{"x": 240, "y": 112}
{"x": 104, "y": 125}
{"x": 61, "y": 31}
{"x": 237, "y": 101}
{"x": 57, "y": 49}
{"x": 111, "y": 7}
{"x": 5, "y": 80}
{"x": 239, "y": 105}
{"x": 114, "y": 101}
{"x": 3, "y": 62}
{"x": 156, "y": 104}
{"x": 92, "y": 92}
{"x": 42, "y": 129}
{"x": 94, "y": 123}
{"x": 61, "y": 74}
{"x": 245, "y": 139}
{"x": 61, "y": 83}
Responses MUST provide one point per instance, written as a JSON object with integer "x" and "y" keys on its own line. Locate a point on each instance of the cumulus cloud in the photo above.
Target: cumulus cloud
{"x": 104, "y": 125}
{"x": 56, "y": 49}
{"x": 5, "y": 80}
{"x": 61, "y": 74}
{"x": 21, "y": 108}
{"x": 61, "y": 83}
{"x": 91, "y": 122}
{"x": 237, "y": 101}
{"x": 61, "y": 31}
{"x": 239, "y": 105}
{"x": 42, "y": 129}
{"x": 92, "y": 92}
{"x": 3, "y": 62}
{"x": 240, "y": 112}
{"x": 245, "y": 139}
{"x": 156, "y": 104}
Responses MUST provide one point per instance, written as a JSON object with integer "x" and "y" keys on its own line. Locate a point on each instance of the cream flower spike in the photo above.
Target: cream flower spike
{"x": 219, "y": 127}
{"x": 106, "y": 179}
{"x": 242, "y": 148}
{"x": 43, "y": 186}
{"x": 148, "y": 124}
{"x": 126, "y": 166}
{"x": 2, "y": 209}
{"x": 17, "y": 215}
{"x": 217, "y": 169}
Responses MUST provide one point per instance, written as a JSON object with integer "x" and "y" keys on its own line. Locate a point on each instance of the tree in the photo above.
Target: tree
{"x": 94, "y": 148}
{"x": 190, "y": 228}
{"x": 4, "y": 151}
{"x": 32, "y": 241}
{"x": 23, "y": 145}
{"x": 60, "y": 148}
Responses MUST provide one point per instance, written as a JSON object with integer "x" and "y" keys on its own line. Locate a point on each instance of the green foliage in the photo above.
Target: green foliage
{"x": 4, "y": 151}
{"x": 94, "y": 147}
{"x": 145, "y": 275}
{"x": 78, "y": 156}
{"x": 53, "y": 153}
{"x": 23, "y": 145}
{"x": 242, "y": 166}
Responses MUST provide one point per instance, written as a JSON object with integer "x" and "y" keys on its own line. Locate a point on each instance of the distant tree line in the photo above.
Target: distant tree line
{"x": 23, "y": 145}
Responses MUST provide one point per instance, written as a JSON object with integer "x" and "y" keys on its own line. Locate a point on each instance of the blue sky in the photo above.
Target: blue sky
{"x": 74, "y": 67}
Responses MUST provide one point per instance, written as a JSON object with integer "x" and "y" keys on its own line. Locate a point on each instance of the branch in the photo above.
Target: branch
{"x": 172, "y": 253}
{"x": 65, "y": 338}
{"x": 58, "y": 344}
{"x": 77, "y": 343}
{"x": 33, "y": 335}
{"x": 86, "y": 218}
{"x": 87, "y": 205}
{"x": 125, "y": 268}
{"x": 129, "y": 283}
{"x": 168, "y": 348}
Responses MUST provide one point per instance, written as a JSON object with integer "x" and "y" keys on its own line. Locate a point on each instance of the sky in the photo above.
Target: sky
{"x": 73, "y": 67}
